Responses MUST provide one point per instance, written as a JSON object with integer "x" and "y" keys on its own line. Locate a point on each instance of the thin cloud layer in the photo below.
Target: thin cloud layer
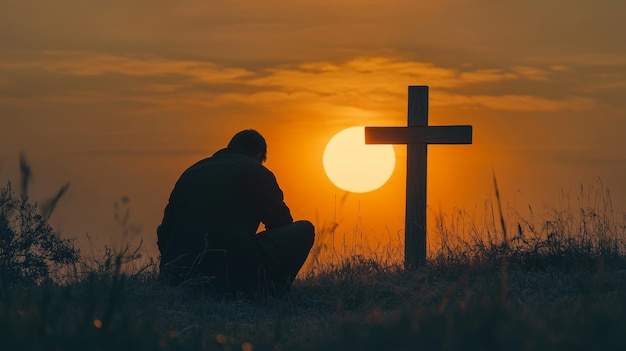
{"x": 362, "y": 82}
{"x": 514, "y": 103}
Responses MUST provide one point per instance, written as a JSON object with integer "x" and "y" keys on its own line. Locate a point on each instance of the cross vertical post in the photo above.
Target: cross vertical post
{"x": 417, "y": 135}
{"x": 417, "y": 154}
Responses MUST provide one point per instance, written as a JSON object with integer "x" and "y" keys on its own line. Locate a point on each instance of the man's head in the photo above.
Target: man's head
{"x": 249, "y": 142}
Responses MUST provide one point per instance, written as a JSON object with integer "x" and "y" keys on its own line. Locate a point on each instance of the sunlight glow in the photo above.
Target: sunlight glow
{"x": 354, "y": 166}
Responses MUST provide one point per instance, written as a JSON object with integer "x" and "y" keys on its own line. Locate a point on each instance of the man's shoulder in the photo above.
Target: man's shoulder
{"x": 226, "y": 158}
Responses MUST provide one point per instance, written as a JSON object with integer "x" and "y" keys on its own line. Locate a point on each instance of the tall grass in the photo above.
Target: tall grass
{"x": 571, "y": 235}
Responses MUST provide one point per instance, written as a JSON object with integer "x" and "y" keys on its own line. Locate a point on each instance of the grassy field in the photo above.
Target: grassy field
{"x": 558, "y": 282}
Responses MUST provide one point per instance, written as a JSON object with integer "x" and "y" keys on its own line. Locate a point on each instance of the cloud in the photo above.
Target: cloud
{"x": 374, "y": 73}
{"x": 585, "y": 59}
{"x": 513, "y": 103}
{"x": 534, "y": 73}
{"x": 93, "y": 64}
{"x": 368, "y": 83}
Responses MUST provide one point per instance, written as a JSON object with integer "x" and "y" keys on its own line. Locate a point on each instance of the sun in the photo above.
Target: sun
{"x": 354, "y": 166}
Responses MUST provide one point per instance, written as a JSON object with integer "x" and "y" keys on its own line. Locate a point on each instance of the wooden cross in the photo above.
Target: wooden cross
{"x": 417, "y": 136}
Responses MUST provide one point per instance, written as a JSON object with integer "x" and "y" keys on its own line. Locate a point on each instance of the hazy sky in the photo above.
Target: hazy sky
{"x": 119, "y": 97}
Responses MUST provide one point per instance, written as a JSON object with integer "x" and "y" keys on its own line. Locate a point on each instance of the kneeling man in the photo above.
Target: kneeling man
{"x": 209, "y": 227}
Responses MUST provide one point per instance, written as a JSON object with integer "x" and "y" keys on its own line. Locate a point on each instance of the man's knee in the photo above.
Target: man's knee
{"x": 306, "y": 230}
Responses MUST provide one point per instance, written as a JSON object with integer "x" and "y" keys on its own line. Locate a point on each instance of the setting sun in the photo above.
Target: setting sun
{"x": 354, "y": 166}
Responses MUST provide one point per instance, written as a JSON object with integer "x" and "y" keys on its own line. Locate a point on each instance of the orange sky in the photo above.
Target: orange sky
{"x": 120, "y": 97}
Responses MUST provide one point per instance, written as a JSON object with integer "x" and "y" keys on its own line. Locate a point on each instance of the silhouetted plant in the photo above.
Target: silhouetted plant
{"x": 30, "y": 250}
{"x": 25, "y": 173}
{"x": 48, "y": 205}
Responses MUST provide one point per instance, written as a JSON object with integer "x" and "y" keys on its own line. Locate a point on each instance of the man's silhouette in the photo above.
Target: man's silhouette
{"x": 209, "y": 227}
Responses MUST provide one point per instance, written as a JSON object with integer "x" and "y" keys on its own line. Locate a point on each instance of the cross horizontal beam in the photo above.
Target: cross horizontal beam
{"x": 419, "y": 135}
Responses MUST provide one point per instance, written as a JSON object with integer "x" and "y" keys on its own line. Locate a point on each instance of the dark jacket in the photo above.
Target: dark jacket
{"x": 219, "y": 202}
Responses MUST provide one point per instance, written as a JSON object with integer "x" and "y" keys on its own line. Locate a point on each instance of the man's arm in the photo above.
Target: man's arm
{"x": 272, "y": 208}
